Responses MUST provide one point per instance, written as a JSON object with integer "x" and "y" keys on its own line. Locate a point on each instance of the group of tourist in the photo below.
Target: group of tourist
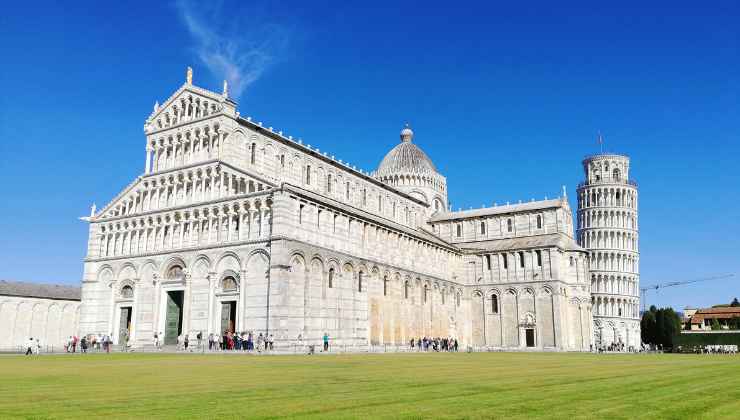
{"x": 244, "y": 341}
{"x": 718, "y": 349}
{"x": 434, "y": 344}
{"x": 613, "y": 347}
{"x": 90, "y": 342}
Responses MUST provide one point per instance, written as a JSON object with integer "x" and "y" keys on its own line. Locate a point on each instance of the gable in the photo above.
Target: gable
{"x": 187, "y": 104}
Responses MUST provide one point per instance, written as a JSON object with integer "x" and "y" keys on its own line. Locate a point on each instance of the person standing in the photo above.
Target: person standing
{"x": 186, "y": 341}
{"x": 271, "y": 341}
{"x": 199, "y": 337}
{"x": 29, "y": 346}
{"x": 326, "y": 341}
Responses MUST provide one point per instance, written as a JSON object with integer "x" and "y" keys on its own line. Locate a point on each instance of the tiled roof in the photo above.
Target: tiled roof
{"x": 505, "y": 209}
{"x": 38, "y": 290}
{"x": 538, "y": 241}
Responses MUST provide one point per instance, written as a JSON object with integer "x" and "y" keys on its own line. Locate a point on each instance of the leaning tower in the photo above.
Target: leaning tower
{"x": 607, "y": 227}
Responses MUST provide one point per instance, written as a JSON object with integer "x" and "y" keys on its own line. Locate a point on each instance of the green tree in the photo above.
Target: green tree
{"x": 735, "y": 302}
{"x": 648, "y": 326}
{"x": 660, "y": 326}
{"x": 715, "y": 325}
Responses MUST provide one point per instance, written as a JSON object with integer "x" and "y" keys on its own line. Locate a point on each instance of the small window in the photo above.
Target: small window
{"x": 406, "y": 290}
{"x": 521, "y": 259}
{"x": 359, "y": 282}
{"x": 572, "y": 261}
{"x": 282, "y": 161}
{"x": 253, "y": 153}
{"x": 616, "y": 174}
{"x": 346, "y": 191}
{"x": 459, "y": 231}
{"x": 539, "y": 258}
{"x": 364, "y": 197}
{"x": 505, "y": 261}
{"x": 328, "y": 183}
{"x": 488, "y": 262}
{"x": 539, "y": 221}
{"x": 494, "y": 304}
{"x": 509, "y": 226}
{"x": 457, "y": 299}
{"x": 331, "y": 278}
{"x": 318, "y": 219}
{"x": 228, "y": 283}
{"x": 127, "y": 292}
{"x": 385, "y": 286}
{"x": 482, "y": 228}
{"x": 308, "y": 174}
{"x": 426, "y": 293}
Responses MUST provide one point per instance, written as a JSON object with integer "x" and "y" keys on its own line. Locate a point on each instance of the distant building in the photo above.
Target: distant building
{"x": 48, "y": 312}
{"x": 702, "y": 319}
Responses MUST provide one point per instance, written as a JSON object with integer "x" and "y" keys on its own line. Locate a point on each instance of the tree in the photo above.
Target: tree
{"x": 660, "y": 326}
{"x": 715, "y": 325}
{"x": 735, "y": 303}
{"x": 647, "y": 326}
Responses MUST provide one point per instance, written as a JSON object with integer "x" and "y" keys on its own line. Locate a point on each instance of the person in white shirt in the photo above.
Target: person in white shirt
{"x": 29, "y": 346}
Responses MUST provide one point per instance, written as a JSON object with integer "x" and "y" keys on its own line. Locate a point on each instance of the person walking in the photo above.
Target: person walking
{"x": 199, "y": 337}
{"x": 210, "y": 341}
{"x": 29, "y": 346}
{"x": 186, "y": 341}
{"x": 326, "y": 341}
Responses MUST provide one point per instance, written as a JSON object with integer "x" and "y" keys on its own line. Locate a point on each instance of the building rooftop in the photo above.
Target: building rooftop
{"x": 39, "y": 290}
{"x": 504, "y": 209}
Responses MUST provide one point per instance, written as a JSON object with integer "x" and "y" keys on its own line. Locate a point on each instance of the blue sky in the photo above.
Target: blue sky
{"x": 505, "y": 99}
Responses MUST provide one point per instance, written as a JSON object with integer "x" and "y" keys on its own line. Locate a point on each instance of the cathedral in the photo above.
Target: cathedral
{"x": 233, "y": 226}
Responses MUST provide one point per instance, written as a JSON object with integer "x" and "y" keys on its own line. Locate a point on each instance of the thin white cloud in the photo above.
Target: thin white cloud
{"x": 232, "y": 41}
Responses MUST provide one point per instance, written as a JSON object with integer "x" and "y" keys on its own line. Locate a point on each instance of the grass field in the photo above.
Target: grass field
{"x": 480, "y": 385}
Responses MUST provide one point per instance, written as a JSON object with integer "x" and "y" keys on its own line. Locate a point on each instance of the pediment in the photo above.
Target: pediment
{"x": 123, "y": 203}
{"x": 188, "y": 103}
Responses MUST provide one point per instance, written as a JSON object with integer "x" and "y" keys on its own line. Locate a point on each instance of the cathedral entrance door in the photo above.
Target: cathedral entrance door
{"x": 228, "y": 316}
{"x": 173, "y": 319}
{"x": 124, "y": 326}
{"x": 530, "y": 337}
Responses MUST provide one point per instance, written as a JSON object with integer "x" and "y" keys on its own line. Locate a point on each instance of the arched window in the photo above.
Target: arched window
{"x": 457, "y": 299}
{"x": 127, "y": 292}
{"x": 494, "y": 304}
{"x": 346, "y": 191}
{"x": 482, "y": 228}
{"x": 459, "y": 231}
{"x": 359, "y": 281}
{"x": 308, "y": 174}
{"x": 175, "y": 273}
{"x": 331, "y": 278}
{"x": 539, "y": 221}
{"x": 228, "y": 284}
{"x": 253, "y": 153}
{"x": 505, "y": 261}
{"x": 385, "y": 286}
{"x": 509, "y": 226}
{"x": 426, "y": 293}
{"x": 539, "y": 258}
{"x": 328, "y": 183}
{"x": 488, "y": 262}
{"x": 521, "y": 259}
{"x": 406, "y": 290}
{"x": 616, "y": 174}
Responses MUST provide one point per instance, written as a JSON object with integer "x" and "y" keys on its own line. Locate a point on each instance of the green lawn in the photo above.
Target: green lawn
{"x": 481, "y": 385}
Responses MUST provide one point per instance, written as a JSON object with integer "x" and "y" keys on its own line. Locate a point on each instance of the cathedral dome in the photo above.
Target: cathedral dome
{"x": 406, "y": 157}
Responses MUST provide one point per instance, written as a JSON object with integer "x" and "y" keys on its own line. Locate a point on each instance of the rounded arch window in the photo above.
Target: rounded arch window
{"x": 127, "y": 292}
{"x": 228, "y": 283}
{"x": 175, "y": 272}
{"x": 331, "y": 278}
{"x": 616, "y": 174}
{"x": 494, "y": 304}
